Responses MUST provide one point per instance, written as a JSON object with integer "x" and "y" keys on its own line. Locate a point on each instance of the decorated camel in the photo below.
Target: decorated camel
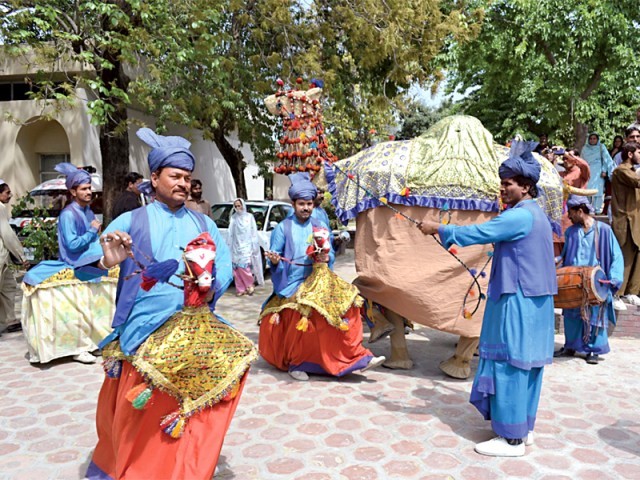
{"x": 450, "y": 174}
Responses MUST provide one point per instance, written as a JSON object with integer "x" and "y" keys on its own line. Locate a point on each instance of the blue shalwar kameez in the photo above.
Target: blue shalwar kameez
{"x": 579, "y": 250}
{"x": 516, "y": 340}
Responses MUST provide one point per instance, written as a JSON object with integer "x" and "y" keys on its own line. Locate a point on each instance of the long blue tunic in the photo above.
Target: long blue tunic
{"x": 75, "y": 233}
{"x": 170, "y": 232}
{"x": 292, "y": 243}
{"x": 574, "y": 328}
{"x": 516, "y": 340}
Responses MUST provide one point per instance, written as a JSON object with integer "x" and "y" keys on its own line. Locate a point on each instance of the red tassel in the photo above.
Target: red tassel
{"x": 135, "y": 391}
{"x": 147, "y": 283}
{"x": 453, "y": 250}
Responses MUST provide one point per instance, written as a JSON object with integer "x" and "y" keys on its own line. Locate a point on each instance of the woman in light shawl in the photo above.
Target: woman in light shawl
{"x": 601, "y": 166}
{"x": 245, "y": 251}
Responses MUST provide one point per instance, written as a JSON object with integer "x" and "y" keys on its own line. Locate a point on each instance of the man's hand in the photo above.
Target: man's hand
{"x": 116, "y": 247}
{"x": 273, "y": 257}
{"x": 429, "y": 227}
{"x": 95, "y": 223}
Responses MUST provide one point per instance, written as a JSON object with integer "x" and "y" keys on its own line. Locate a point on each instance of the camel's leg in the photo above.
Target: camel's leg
{"x": 399, "y": 353}
{"x": 458, "y": 365}
{"x": 381, "y": 326}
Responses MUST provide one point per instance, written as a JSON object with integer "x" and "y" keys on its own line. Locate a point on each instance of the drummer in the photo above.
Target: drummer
{"x": 589, "y": 242}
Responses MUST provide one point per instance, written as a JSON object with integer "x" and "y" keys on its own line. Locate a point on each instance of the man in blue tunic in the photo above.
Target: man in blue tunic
{"x": 78, "y": 227}
{"x": 516, "y": 340}
{"x": 588, "y": 243}
{"x": 134, "y": 443}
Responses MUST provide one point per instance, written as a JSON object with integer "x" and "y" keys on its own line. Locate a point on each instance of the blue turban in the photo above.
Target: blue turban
{"x": 521, "y": 162}
{"x": 145, "y": 187}
{"x": 576, "y": 200}
{"x": 75, "y": 175}
{"x": 167, "y": 151}
{"x": 301, "y": 187}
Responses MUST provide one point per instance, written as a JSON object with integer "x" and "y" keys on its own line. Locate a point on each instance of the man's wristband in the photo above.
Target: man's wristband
{"x": 101, "y": 264}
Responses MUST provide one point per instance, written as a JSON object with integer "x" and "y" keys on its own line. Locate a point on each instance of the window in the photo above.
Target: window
{"x": 47, "y": 162}
{"x": 221, "y": 214}
{"x": 278, "y": 213}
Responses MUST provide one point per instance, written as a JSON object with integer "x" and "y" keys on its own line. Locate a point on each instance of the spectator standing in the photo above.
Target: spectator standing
{"x": 543, "y": 143}
{"x": 195, "y": 201}
{"x": 130, "y": 198}
{"x": 631, "y": 134}
{"x": 625, "y": 206}
{"x": 9, "y": 247}
{"x": 601, "y": 167}
{"x": 618, "y": 141}
{"x": 245, "y": 250}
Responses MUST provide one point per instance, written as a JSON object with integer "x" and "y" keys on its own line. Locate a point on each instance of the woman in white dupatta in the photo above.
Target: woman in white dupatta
{"x": 245, "y": 250}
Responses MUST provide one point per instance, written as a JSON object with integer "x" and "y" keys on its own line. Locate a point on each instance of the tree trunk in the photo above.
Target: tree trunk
{"x": 234, "y": 159}
{"x": 114, "y": 141}
{"x": 114, "y": 149}
{"x": 581, "y": 131}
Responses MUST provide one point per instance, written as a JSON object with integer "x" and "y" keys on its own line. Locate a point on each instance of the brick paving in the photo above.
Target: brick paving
{"x": 383, "y": 425}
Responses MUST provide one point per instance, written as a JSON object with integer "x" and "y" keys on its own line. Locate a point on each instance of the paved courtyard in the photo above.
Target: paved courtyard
{"x": 383, "y": 425}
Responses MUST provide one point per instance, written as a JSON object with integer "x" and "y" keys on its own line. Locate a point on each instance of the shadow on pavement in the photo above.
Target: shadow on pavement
{"x": 623, "y": 435}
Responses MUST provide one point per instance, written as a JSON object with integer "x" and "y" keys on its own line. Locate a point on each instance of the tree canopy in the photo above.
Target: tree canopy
{"x": 208, "y": 64}
{"x": 551, "y": 66}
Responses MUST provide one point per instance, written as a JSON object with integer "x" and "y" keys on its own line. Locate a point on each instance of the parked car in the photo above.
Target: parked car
{"x": 268, "y": 214}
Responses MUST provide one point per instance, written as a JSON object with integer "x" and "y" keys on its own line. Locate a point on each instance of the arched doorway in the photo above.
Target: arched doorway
{"x": 40, "y": 145}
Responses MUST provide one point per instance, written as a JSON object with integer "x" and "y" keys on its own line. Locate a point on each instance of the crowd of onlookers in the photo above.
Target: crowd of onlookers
{"x": 608, "y": 176}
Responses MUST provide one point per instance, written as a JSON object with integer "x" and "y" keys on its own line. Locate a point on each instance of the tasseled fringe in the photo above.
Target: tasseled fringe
{"x": 173, "y": 424}
{"x": 302, "y": 324}
{"x": 139, "y": 396}
{"x": 344, "y": 324}
{"x": 112, "y": 367}
{"x": 275, "y": 319}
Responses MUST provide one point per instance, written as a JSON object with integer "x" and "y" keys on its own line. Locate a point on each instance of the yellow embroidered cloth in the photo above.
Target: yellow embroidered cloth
{"x": 323, "y": 291}
{"x": 194, "y": 357}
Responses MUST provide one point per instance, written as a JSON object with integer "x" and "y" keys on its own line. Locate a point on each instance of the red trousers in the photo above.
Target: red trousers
{"x": 321, "y": 349}
{"x": 131, "y": 444}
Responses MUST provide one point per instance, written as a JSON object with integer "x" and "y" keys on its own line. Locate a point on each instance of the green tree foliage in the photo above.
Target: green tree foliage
{"x": 556, "y": 66}
{"x": 208, "y": 64}
{"x": 40, "y": 234}
{"x": 419, "y": 118}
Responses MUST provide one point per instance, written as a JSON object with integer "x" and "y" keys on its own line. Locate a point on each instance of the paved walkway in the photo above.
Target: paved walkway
{"x": 385, "y": 425}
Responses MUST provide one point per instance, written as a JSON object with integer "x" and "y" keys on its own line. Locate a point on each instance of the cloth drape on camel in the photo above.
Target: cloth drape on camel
{"x": 451, "y": 173}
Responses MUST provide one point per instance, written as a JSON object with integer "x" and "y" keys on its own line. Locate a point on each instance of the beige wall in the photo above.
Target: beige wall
{"x": 28, "y": 135}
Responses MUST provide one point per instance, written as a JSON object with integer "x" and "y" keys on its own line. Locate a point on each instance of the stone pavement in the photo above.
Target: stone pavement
{"x": 383, "y": 425}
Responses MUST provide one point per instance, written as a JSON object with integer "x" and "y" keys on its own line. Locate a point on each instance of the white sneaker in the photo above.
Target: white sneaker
{"x": 299, "y": 375}
{"x": 618, "y": 304}
{"x": 557, "y": 311}
{"x": 529, "y": 440}
{"x": 499, "y": 447}
{"x": 631, "y": 299}
{"x": 373, "y": 363}
{"x": 84, "y": 357}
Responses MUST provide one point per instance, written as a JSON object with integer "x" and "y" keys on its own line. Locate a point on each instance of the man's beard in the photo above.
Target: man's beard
{"x": 196, "y": 196}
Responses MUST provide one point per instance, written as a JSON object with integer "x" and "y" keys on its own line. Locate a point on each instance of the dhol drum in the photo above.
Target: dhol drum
{"x": 580, "y": 286}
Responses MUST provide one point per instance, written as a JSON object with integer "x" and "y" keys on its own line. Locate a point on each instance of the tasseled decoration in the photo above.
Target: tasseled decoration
{"x": 158, "y": 272}
{"x": 472, "y": 293}
{"x": 275, "y": 319}
{"x": 344, "y": 324}
{"x": 490, "y": 253}
{"x": 399, "y": 216}
{"x": 453, "y": 250}
{"x": 467, "y": 314}
{"x": 302, "y": 324}
{"x": 142, "y": 399}
{"x": 351, "y": 176}
{"x": 383, "y": 200}
{"x": 112, "y": 367}
{"x": 483, "y": 274}
{"x": 135, "y": 391}
{"x": 473, "y": 272}
{"x": 173, "y": 424}
{"x": 405, "y": 192}
{"x": 483, "y": 296}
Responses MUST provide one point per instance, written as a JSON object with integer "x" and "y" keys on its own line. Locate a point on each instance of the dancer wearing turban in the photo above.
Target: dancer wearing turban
{"x": 516, "y": 341}
{"x": 56, "y": 317}
{"x": 311, "y": 323}
{"x": 171, "y": 386}
{"x": 589, "y": 243}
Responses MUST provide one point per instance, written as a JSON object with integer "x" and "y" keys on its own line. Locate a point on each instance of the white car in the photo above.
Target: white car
{"x": 268, "y": 214}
